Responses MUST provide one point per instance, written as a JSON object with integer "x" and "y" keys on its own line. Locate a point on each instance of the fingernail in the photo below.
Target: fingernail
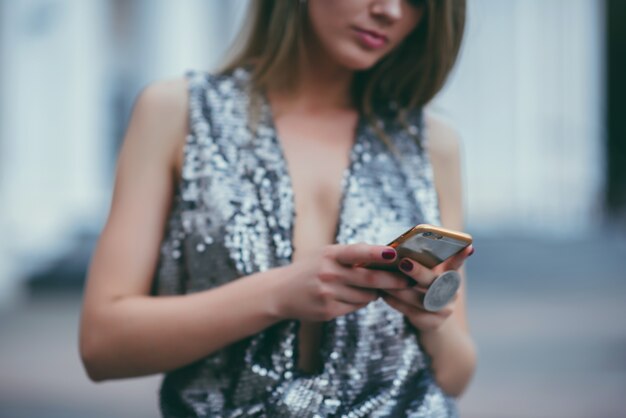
{"x": 406, "y": 265}
{"x": 471, "y": 252}
{"x": 389, "y": 254}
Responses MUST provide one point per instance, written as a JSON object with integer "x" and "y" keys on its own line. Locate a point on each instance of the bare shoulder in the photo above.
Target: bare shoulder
{"x": 162, "y": 105}
{"x": 159, "y": 118}
{"x": 443, "y": 140}
{"x": 164, "y": 95}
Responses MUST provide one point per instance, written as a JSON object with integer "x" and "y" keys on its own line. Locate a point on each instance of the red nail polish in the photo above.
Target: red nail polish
{"x": 406, "y": 265}
{"x": 389, "y": 254}
{"x": 471, "y": 252}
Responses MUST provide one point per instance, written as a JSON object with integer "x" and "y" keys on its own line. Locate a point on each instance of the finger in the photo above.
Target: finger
{"x": 408, "y": 296}
{"x": 343, "y": 308}
{"x": 361, "y": 254}
{"x": 456, "y": 261}
{"x": 375, "y": 279}
{"x": 412, "y": 298}
{"x": 356, "y": 296}
{"x": 400, "y": 306}
{"x": 420, "y": 318}
{"x": 423, "y": 276}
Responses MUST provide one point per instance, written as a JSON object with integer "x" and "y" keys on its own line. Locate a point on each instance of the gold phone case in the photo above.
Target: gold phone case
{"x": 429, "y": 245}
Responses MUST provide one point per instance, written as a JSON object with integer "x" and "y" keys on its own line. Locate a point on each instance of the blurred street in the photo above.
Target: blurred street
{"x": 550, "y": 333}
{"x": 551, "y": 337}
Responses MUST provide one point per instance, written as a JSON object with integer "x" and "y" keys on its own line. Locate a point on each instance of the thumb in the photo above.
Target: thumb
{"x": 456, "y": 261}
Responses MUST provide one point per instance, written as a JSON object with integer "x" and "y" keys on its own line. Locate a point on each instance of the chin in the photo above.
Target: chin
{"x": 358, "y": 62}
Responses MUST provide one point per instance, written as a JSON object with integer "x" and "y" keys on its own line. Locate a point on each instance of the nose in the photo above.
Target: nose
{"x": 390, "y": 10}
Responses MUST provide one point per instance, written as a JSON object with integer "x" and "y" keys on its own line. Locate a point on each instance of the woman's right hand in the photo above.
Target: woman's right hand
{"x": 330, "y": 283}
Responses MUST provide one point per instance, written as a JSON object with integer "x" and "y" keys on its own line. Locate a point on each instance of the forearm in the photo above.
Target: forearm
{"x": 453, "y": 354}
{"x": 140, "y": 335}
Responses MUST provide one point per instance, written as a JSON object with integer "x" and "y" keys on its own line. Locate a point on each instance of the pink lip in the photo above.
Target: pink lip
{"x": 371, "y": 39}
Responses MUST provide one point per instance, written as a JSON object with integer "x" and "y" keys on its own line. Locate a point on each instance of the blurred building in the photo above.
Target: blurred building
{"x": 70, "y": 70}
{"x": 527, "y": 96}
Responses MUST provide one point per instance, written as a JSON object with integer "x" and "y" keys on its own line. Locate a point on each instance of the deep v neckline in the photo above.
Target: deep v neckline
{"x": 346, "y": 176}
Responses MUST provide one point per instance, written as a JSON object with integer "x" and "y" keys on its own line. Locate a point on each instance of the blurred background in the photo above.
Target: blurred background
{"x": 538, "y": 97}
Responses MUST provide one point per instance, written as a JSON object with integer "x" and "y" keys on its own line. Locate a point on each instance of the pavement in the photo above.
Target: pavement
{"x": 548, "y": 317}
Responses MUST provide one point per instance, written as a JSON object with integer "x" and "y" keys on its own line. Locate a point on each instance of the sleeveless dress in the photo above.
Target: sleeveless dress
{"x": 233, "y": 215}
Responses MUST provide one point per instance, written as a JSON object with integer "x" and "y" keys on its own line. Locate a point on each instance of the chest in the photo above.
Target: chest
{"x": 317, "y": 152}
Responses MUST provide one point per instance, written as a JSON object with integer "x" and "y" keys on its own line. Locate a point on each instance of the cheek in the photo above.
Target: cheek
{"x": 328, "y": 17}
{"x": 330, "y": 25}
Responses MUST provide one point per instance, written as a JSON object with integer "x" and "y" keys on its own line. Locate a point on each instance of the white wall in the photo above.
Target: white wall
{"x": 60, "y": 67}
{"x": 52, "y": 126}
{"x": 527, "y": 99}
{"x": 187, "y": 34}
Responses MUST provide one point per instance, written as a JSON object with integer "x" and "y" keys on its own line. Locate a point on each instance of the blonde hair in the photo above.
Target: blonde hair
{"x": 410, "y": 76}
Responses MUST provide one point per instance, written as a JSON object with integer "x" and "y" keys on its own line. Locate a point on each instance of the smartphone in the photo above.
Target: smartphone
{"x": 429, "y": 245}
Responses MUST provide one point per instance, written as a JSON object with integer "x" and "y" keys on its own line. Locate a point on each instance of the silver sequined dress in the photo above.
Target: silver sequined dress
{"x": 233, "y": 215}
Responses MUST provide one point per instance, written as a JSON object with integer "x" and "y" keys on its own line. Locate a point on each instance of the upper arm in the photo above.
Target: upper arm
{"x": 444, "y": 149}
{"x": 128, "y": 248}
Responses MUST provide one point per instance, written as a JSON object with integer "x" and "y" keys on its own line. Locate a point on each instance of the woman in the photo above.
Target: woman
{"x": 262, "y": 312}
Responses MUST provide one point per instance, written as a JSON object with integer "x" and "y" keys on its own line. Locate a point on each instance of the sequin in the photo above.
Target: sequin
{"x": 233, "y": 215}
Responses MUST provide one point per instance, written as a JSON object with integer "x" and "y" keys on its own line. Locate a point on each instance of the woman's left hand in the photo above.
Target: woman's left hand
{"x": 409, "y": 301}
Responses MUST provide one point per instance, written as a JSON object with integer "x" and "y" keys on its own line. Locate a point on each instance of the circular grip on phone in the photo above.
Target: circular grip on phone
{"x": 442, "y": 290}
